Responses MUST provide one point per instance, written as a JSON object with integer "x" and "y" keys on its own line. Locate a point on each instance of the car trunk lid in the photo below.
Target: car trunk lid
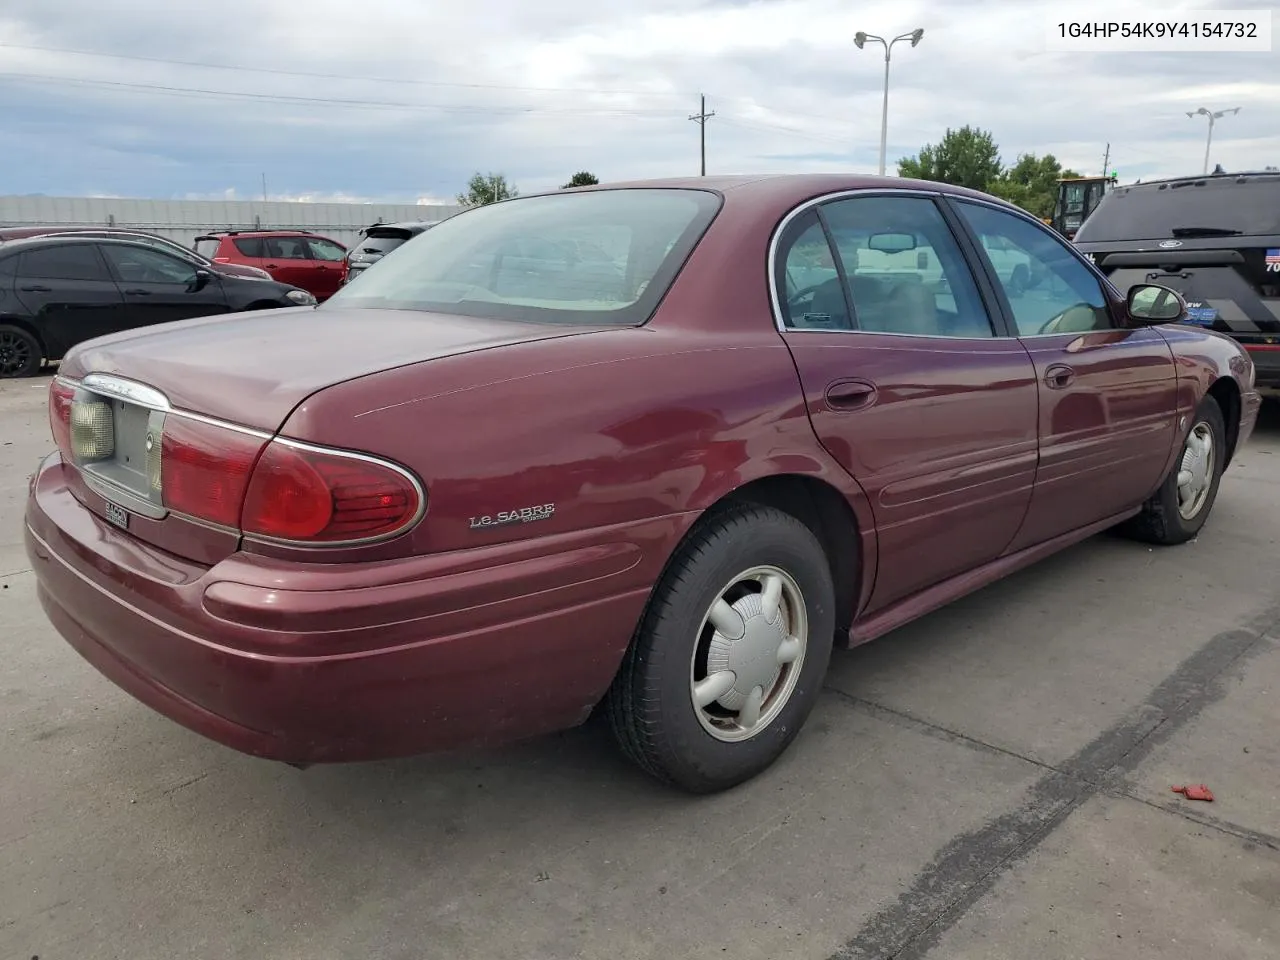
{"x": 219, "y": 389}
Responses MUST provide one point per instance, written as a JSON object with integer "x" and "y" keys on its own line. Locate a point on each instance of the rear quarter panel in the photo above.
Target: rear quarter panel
{"x": 607, "y": 429}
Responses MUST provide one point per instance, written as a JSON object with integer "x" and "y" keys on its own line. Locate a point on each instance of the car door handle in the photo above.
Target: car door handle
{"x": 850, "y": 395}
{"x": 138, "y": 293}
{"x": 36, "y": 288}
{"x": 1058, "y": 376}
{"x": 273, "y": 266}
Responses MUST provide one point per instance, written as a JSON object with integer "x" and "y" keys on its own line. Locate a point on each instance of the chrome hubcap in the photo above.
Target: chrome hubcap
{"x": 750, "y": 649}
{"x": 1195, "y": 471}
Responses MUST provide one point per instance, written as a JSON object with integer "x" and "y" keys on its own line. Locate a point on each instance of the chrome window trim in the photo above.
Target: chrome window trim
{"x": 775, "y": 304}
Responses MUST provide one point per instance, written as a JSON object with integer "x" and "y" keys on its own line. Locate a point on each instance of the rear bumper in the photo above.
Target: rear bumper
{"x": 354, "y": 662}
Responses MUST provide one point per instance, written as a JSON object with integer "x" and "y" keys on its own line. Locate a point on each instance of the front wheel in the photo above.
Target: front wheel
{"x": 730, "y": 657}
{"x": 1182, "y": 504}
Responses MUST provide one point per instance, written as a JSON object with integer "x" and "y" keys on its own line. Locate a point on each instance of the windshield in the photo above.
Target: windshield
{"x": 602, "y": 257}
{"x": 1165, "y": 210}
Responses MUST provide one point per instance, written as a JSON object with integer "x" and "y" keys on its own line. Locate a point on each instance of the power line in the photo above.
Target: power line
{"x": 275, "y": 71}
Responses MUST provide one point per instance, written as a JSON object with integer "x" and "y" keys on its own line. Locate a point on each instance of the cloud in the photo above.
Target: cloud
{"x": 408, "y": 99}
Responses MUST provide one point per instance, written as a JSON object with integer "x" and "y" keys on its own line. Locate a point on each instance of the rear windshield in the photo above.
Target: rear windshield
{"x": 538, "y": 259}
{"x": 1249, "y": 208}
{"x": 207, "y": 247}
{"x": 381, "y": 241}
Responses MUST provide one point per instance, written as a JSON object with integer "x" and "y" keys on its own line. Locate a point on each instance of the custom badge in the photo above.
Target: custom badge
{"x": 1273, "y": 261}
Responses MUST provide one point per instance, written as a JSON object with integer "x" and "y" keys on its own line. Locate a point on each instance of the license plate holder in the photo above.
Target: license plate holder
{"x": 117, "y": 515}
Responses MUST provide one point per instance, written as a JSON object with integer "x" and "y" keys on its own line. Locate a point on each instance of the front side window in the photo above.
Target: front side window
{"x": 1049, "y": 290}
{"x": 77, "y": 261}
{"x": 139, "y": 264}
{"x": 325, "y": 250}
{"x": 904, "y": 269}
{"x": 522, "y": 259}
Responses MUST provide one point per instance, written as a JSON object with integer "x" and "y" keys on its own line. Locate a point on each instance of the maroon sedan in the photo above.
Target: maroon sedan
{"x": 495, "y": 484}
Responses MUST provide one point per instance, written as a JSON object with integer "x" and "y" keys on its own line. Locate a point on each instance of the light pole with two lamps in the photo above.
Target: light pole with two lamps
{"x": 860, "y": 40}
{"x": 1202, "y": 112}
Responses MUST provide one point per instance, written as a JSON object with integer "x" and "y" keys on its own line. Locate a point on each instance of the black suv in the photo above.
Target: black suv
{"x": 1215, "y": 239}
{"x": 58, "y": 291}
{"x": 377, "y": 241}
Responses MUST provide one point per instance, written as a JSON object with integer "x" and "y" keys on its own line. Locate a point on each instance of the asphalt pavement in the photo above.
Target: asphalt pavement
{"x": 989, "y": 783}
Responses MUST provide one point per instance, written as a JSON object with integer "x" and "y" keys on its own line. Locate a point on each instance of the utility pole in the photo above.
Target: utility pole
{"x": 701, "y": 118}
{"x": 1106, "y": 160}
{"x": 264, "y": 187}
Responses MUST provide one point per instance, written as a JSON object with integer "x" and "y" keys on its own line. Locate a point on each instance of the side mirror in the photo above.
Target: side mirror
{"x": 1153, "y": 303}
{"x": 202, "y": 279}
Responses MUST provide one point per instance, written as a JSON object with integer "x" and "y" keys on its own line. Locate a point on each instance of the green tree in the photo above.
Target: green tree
{"x": 1032, "y": 183}
{"x": 967, "y": 157}
{"x": 581, "y": 179}
{"x": 487, "y": 188}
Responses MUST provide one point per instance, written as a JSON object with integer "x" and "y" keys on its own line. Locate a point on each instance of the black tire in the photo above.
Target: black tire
{"x": 20, "y": 353}
{"x": 1161, "y": 521}
{"x": 650, "y": 704}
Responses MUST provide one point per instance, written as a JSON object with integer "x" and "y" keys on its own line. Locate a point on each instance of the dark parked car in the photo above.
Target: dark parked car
{"x": 665, "y": 492}
{"x": 58, "y": 291}
{"x": 1215, "y": 239}
{"x": 141, "y": 236}
{"x": 377, "y": 241}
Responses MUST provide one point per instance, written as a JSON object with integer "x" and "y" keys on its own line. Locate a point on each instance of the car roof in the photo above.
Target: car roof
{"x": 45, "y": 240}
{"x": 771, "y": 189}
{"x": 1243, "y": 176}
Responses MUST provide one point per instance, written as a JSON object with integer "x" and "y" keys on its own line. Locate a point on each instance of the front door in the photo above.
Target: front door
{"x": 908, "y": 385}
{"x": 1108, "y": 394}
{"x": 66, "y": 290}
{"x": 287, "y": 261}
{"x": 327, "y": 259}
{"x": 158, "y": 287}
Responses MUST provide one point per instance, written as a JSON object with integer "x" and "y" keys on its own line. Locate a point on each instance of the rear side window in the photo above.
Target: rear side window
{"x": 519, "y": 260}
{"x": 1191, "y": 208}
{"x": 285, "y": 248}
{"x": 208, "y": 247}
{"x": 78, "y": 261}
{"x": 251, "y": 246}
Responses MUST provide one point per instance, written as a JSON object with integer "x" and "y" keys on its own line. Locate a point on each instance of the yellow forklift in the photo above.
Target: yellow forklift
{"x": 1077, "y": 196}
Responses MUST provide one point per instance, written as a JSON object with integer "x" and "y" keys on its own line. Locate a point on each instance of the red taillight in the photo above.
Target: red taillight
{"x": 60, "y": 397}
{"x": 204, "y": 469}
{"x": 303, "y": 494}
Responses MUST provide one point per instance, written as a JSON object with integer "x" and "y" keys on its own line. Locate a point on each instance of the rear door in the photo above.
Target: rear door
{"x": 1107, "y": 395}
{"x": 287, "y": 259}
{"x": 67, "y": 290}
{"x": 908, "y": 384}
{"x": 158, "y": 287}
{"x": 327, "y": 260}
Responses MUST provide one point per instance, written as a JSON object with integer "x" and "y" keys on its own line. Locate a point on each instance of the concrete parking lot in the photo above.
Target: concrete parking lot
{"x": 991, "y": 783}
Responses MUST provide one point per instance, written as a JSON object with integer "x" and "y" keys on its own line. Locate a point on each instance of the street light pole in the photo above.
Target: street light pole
{"x": 860, "y": 40}
{"x": 1202, "y": 112}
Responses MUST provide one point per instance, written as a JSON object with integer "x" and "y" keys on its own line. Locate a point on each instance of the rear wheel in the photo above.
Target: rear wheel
{"x": 20, "y": 353}
{"x": 730, "y": 657}
{"x": 1182, "y": 504}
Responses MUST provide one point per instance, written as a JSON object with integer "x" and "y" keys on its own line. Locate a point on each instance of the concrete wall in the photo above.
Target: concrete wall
{"x": 183, "y": 220}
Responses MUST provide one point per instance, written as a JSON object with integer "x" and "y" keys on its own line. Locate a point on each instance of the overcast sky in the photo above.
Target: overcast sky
{"x": 438, "y": 89}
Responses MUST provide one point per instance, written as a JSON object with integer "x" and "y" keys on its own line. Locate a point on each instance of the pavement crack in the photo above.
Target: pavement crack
{"x": 968, "y": 866}
{"x": 930, "y": 728}
{"x": 1256, "y": 837}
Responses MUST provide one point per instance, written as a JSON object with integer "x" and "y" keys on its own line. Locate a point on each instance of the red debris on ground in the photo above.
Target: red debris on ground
{"x": 1195, "y": 792}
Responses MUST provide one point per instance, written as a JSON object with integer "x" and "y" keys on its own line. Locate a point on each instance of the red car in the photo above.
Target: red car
{"x": 778, "y": 413}
{"x": 307, "y": 260}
